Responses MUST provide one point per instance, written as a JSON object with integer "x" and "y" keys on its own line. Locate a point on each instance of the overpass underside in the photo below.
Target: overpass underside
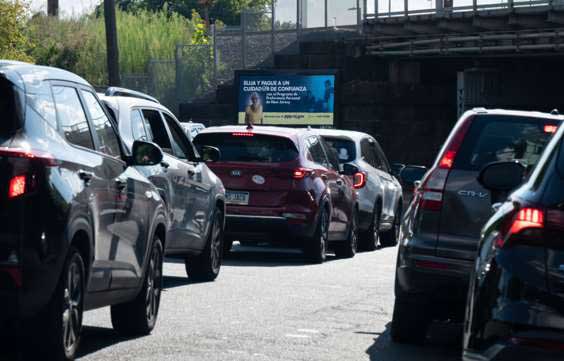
{"x": 517, "y": 31}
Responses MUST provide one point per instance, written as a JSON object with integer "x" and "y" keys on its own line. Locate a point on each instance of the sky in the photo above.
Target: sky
{"x": 339, "y": 13}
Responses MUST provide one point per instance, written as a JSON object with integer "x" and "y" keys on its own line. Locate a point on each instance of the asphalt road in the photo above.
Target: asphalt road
{"x": 269, "y": 305}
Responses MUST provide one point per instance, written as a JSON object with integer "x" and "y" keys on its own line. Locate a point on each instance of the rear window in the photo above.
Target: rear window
{"x": 257, "y": 148}
{"x": 346, "y": 150}
{"x": 8, "y": 121}
{"x": 503, "y": 138}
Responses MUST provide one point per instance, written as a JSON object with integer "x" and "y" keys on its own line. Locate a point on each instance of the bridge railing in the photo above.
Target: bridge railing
{"x": 403, "y": 8}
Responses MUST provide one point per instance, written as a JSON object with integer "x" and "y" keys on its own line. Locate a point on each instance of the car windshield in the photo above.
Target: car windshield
{"x": 255, "y": 148}
{"x": 345, "y": 148}
{"x": 503, "y": 138}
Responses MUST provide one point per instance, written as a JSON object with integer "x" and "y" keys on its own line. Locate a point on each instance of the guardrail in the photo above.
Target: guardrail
{"x": 385, "y": 8}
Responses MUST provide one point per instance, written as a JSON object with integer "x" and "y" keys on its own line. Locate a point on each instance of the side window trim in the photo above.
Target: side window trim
{"x": 139, "y": 111}
{"x": 189, "y": 157}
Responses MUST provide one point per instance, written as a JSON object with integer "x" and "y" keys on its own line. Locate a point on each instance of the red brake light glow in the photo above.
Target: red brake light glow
{"x": 359, "y": 180}
{"x": 44, "y": 157}
{"x": 447, "y": 160}
{"x": 243, "y": 134}
{"x": 550, "y": 128}
{"x": 17, "y": 186}
{"x": 301, "y": 173}
{"x": 527, "y": 218}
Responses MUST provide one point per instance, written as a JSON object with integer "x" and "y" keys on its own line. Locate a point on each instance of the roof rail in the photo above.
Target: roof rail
{"x": 124, "y": 92}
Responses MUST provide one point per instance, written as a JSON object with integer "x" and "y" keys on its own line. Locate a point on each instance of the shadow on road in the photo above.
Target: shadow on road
{"x": 97, "y": 338}
{"x": 266, "y": 256}
{"x": 443, "y": 344}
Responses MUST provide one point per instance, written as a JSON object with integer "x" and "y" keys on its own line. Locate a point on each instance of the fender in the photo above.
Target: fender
{"x": 159, "y": 218}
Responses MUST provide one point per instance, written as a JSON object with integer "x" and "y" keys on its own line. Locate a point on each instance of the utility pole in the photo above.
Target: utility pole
{"x": 53, "y": 8}
{"x": 111, "y": 43}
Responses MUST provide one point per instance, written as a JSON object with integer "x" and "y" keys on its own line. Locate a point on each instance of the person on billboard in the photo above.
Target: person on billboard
{"x": 253, "y": 112}
{"x": 329, "y": 97}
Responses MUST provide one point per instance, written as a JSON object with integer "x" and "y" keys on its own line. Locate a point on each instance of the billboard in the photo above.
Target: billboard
{"x": 286, "y": 99}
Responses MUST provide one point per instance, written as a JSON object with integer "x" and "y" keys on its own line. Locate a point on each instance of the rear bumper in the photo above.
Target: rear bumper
{"x": 276, "y": 229}
{"x": 537, "y": 345}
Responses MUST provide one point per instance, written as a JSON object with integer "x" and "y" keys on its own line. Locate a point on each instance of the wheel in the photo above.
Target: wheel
{"x": 390, "y": 238}
{"x": 410, "y": 320}
{"x": 316, "y": 247}
{"x": 56, "y": 330}
{"x": 138, "y": 317}
{"x": 371, "y": 238}
{"x": 348, "y": 248}
{"x": 206, "y": 266}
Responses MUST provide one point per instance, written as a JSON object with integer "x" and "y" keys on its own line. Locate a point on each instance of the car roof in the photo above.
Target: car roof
{"x": 338, "y": 133}
{"x": 27, "y": 75}
{"x": 518, "y": 113}
{"x": 129, "y": 102}
{"x": 292, "y": 133}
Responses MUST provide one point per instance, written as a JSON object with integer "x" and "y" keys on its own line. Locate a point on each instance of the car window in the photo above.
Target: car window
{"x": 179, "y": 141}
{"x": 109, "y": 142}
{"x": 316, "y": 151}
{"x": 254, "y": 148}
{"x": 346, "y": 150}
{"x": 331, "y": 156}
{"x": 138, "y": 126}
{"x": 71, "y": 117}
{"x": 381, "y": 161}
{"x": 157, "y": 130}
{"x": 503, "y": 138}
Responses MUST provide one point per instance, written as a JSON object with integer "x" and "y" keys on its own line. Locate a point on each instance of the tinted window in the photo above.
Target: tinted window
{"x": 109, "y": 142}
{"x": 346, "y": 150}
{"x": 381, "y": 161}
{"x": 560, "y": 164}
{"x": 179, "y": 141}
{"x": 502, "y": 138}
{"x": 7, "y": 108}
{"x": 257, "y": 148}
{"x": 368, "y": 153}
{"x": 72, "y": 120}
{"x": 138, "y": 126}
{"x": 316, "y": 151}
{"x": 332, "y": 156}
{"x": 156, "y": 130}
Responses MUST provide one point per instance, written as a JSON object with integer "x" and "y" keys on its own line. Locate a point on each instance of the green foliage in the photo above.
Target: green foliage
{"x": 13, "y": 40}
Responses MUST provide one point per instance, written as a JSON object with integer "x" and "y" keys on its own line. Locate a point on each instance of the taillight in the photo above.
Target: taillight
{"x": 41, "y": 156}
{"x": 359, "y": 180}
{"x": 243, "y": 134}
{"x": 524, "y": 228}
{"x": 433, "y": 186}
{"x": 301, "y": 173}
{"x": 17, "y": 186}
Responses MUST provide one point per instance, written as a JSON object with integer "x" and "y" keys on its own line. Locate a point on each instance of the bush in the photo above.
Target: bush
{"x": 13, "y": 40}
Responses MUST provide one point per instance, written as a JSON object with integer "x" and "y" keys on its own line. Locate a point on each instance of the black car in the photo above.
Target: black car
{"x": 81, "y": 227}
{"x": 441, "y": 227}
{"x": 194, "y": 195}
{"x": 515, "y": 308}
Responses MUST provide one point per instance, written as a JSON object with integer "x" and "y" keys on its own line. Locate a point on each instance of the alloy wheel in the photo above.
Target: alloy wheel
{"x": 216, "y": 247}
{"x": 72, "y": 307}
{"x": 154, "y": 285}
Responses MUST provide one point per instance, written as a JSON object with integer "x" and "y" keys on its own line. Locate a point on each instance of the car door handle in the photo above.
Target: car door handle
{"x": 165, "y": 164}
{"x": 191, "y": 172}
{"x": 121, "y": 183}
{"x": 85, "y": 176}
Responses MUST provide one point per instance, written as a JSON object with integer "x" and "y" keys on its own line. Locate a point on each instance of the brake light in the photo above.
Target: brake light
{"x": 550, "y": 128}
{"x": 432, "y": 188}
{"x": 527, "y": 218}
{"x": 301, "y": 173}
{"x": 44, "y": 157}
{"x": 17, "y": 186}
{"x": 243, "y": 134}
{"x": 359, "y": 180}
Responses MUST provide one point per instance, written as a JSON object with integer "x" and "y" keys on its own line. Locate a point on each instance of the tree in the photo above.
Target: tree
{"x": 13, "y": 40}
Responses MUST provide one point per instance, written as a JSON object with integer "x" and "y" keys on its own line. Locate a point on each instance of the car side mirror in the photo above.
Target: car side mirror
{"x": 145, "y": 154}
{"x": 210, "y": 154}
{"x": 396, "y": 169}
{"x": 350, "y": 169}
{"x": 502, "y": 176}
{"x": 411, "y": 175}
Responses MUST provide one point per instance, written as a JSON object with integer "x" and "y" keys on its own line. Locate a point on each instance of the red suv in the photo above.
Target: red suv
{"x": 285, "y": 186}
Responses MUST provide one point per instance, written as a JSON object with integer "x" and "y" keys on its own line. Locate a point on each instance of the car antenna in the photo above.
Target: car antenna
{"x": 555, "y": 112}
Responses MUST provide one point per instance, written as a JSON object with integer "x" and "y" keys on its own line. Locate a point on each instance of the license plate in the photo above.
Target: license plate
{"x": 239, "y": 198}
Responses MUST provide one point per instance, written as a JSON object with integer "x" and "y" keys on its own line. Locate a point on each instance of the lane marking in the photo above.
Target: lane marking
{"x": 291, "y": 335}
{"x": 307, "y": 330}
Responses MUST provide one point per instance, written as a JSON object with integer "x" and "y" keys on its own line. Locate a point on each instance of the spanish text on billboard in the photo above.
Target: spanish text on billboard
{"x": 287, "y": 99}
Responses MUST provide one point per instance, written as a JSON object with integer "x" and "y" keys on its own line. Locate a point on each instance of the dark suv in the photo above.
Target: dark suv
{"x": 81, "y": 227}
{"x": 441, "y": 228}
{"x": 515, "y": 308}
{"x": 285, "y": 186}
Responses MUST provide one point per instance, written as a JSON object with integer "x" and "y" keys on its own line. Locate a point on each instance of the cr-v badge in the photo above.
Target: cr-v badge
{"x": 473, "y": 194}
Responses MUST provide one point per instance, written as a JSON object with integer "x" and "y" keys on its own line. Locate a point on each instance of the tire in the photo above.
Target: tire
{"x": 316, "y": 248}
{"x": 206, "y": 266}
{"x": 56, "y": 330}
{"x": 139, "y": 316}
{"x": 348, "y": 248}
{"x": 390, "y": 238}
{"x": 370, "y": 240}
{"x": 410, "y": 320}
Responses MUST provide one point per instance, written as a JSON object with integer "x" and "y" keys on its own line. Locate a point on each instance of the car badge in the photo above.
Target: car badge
{"x": 236, "y": 173}
{"x": 258, "y": 179}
